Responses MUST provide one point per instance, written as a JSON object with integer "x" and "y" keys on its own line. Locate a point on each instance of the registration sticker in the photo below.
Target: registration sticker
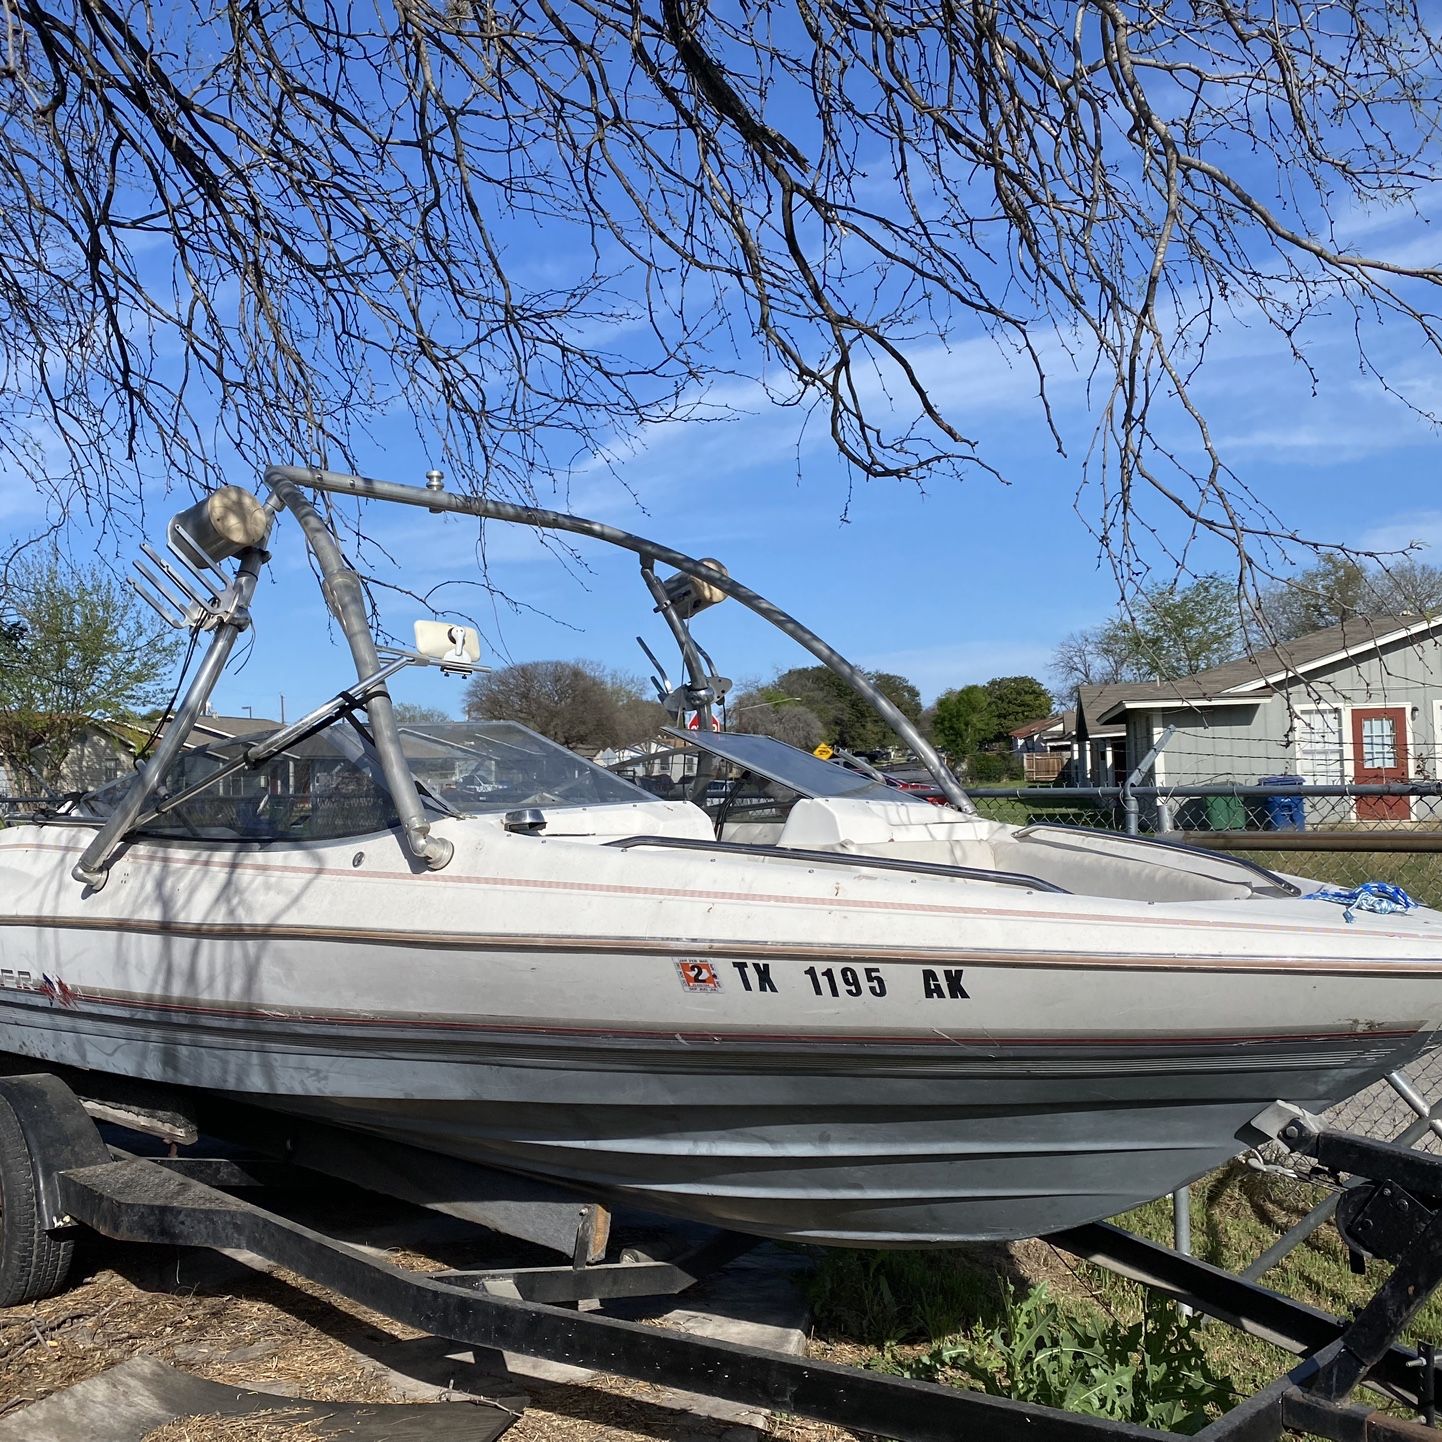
{"x": 698, "y": 975}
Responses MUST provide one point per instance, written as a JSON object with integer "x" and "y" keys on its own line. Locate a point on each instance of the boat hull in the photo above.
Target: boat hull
{"x": 877, "y": 1161}
{"x": 874, "y": 1146}
{"x": 791, "y": 1050}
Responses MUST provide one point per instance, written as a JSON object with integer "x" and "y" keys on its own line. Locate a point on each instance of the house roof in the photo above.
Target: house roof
{"x": 219, "y": 728}
{"x": 235, "y": 725}
{"x": 1183, "y": 695}
{"x": 1358, "y": 635}
{"x": 1046, "y": 723}
{"x": 1094, "y": 702}
{"x": 130, "y": 734}
{"x": 1254, "y": 677}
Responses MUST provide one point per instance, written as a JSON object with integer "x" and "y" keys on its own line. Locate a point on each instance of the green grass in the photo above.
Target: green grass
{"x": 900, "y": 1306}
{"x": 1025, "y": 813}
{"x": 881, "y": 1299}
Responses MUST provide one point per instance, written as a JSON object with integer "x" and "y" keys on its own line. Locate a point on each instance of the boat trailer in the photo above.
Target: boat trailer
{"x": 58, "y": 1175}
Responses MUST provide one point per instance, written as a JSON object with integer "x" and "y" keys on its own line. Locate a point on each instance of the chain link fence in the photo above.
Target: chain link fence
{"x": 1379, "y": 1113}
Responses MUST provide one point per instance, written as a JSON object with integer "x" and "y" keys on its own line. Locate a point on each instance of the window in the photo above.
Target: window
{"x": 1318, "y": 736}
{"x": 1379, "y": 742}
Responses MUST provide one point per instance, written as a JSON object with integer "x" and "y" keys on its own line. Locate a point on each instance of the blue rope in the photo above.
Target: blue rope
{"x": 1379, "y": 896}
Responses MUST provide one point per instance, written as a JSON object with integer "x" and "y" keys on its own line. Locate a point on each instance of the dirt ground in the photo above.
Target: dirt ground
{"x": 278, "y": 1332}
{"x": 219, "y": 1319}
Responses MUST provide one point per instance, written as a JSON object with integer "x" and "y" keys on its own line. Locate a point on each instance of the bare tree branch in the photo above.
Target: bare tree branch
{"x": 273, "y": 228}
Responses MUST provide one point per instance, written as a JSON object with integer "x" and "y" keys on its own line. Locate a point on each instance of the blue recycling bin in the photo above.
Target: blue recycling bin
{"x": 1284, "y": 813}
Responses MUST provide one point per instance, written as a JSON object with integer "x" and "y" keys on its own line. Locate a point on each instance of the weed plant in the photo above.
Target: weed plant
{"x": 1154, "y": 1373}
{"x": 1089, "y": 1340}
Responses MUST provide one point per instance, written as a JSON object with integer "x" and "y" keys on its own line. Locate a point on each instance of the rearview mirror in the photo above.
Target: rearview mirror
{"x": 443, "y": 642}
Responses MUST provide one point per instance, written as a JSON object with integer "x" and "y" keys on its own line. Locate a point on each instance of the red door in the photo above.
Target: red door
{"x": 1379, "y": 754}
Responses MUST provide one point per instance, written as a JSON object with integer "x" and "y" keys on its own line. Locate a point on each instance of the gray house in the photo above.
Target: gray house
{"x": 99, "y": 752}
{"x": 1359, "y": 702}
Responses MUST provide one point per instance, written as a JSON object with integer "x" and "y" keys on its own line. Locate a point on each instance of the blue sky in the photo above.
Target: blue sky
{"x": 968, "y": 580}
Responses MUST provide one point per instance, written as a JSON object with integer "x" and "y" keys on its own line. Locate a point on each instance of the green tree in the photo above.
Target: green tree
{"x": 1167, "y": 632}
{"x": 766, "y": 711}
{"x": 1014, "y": 700}
{"x": 1178, "y": 630}
{"x": 841, "y": 713}
{"x": 1338, "y": 588}
{"x": 962, "y": 719}
{"x": 847, "y": 720}
{"x": 1322, "y": 595}
{"x": 76, "y": 646}
{"x": 576, "y": 703}
{"x": 900, "y": 692}
{"x": 1409, "y": 583}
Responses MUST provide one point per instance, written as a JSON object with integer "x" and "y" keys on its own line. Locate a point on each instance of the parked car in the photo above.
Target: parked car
{"x": 900, "y": 783}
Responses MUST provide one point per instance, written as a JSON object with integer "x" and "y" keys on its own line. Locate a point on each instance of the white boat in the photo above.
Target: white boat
{"x": 822, "y": 1010}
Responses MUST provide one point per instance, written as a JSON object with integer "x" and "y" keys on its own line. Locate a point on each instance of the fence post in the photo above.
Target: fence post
{"x": 1129, "y": 801}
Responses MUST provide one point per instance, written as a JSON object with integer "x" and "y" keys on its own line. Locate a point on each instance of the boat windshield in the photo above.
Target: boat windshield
{"x": 797, "y": 771}
{"x": 479, "y": 766}
{"x": 330, "y": 784}
{"x": 327, "y": 786}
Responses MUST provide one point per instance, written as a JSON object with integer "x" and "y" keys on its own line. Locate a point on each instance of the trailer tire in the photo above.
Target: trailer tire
{"x": 33, "y": 1264}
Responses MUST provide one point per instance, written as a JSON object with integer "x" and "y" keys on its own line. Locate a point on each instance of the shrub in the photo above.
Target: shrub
{"x": 989, "y": 766}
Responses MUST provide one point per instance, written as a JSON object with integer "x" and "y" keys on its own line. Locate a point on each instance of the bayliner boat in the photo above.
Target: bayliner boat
{"x": 820, "y": 1009}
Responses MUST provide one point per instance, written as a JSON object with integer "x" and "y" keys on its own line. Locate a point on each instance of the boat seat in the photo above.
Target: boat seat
{"x": 1085, "y": 863}
{"x": 1088, "y": 868}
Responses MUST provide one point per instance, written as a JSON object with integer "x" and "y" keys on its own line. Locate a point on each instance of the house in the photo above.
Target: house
{"x": 1051, "y": 749}
{"x": 1358, "y": 702}
{"x": 1045, "y": 746}
{"x": 661, "y": 756}
{"x": 101, "y": 751}
{"x": 211, "y": 728}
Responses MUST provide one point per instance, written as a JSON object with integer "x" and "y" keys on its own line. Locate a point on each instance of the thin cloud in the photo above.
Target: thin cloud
{"x": 1410, "y": 528}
